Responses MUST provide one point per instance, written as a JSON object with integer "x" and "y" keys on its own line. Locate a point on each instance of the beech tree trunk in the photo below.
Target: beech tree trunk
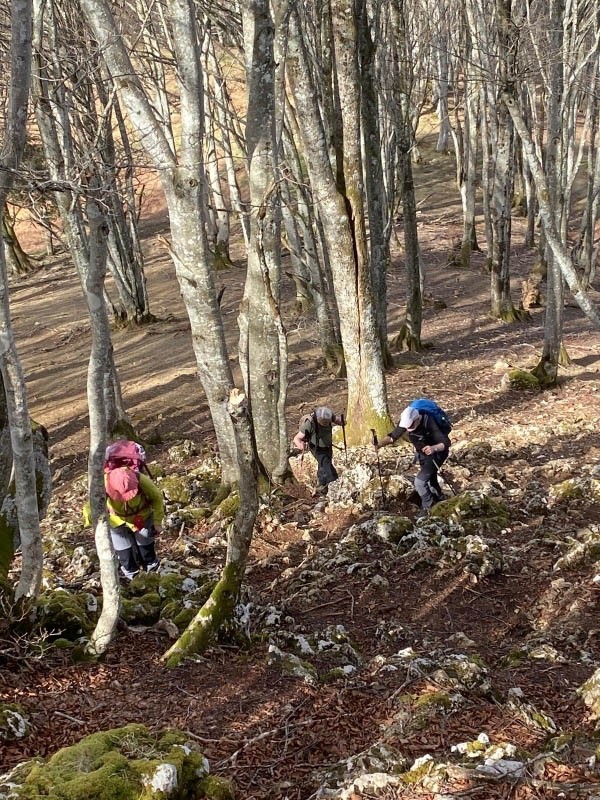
{"x": 342, "y": 218}
{"x": 264, "y": 354}
{"x": 10, "y": 365}
{"x": 98, "y": 367}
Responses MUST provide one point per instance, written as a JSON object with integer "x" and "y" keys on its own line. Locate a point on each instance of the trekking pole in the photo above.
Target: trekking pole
{"x": 448, "y": 481}
{"x": 375, "y": 442}
{"x": 344, "y": 435}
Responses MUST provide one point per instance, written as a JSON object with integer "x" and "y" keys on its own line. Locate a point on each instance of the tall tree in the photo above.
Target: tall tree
{"x": 10, "y": 365}
{"x": 263, "y": 342}
{"x": 183, "y": 179}
{"x": 98, "y": 367}
{"x": 339, "y": 194}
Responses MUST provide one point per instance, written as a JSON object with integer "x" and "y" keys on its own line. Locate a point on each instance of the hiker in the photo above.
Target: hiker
{"x": 316, "y": 434}
{"x": 431, "y": 443}
{"x": 136, "y": 509}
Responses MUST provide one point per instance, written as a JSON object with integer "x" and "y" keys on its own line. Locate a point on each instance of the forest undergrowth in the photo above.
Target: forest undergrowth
{"x": 528, "y": 620}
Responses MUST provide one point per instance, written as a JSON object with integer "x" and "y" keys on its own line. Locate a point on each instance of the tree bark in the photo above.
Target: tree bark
{"x": 221, "y": 604}
{"x": 265, "y": 336}
{"x": 99, "y": 365}
{"x": 10, "y": 365}
{"x": 558, "y": 248}
{"x": 344, "y": 234}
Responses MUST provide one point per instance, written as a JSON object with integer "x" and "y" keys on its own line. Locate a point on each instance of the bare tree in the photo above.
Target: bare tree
{"x": 183, "y": 179}
{"x": 98, "y": 367}
{"x": 339, "y": 192}
{"x": 10, "y": 366}
{"x": 263, "y": 342}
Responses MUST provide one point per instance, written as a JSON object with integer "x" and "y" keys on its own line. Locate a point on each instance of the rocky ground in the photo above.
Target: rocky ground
{"x": 381, "y": 657}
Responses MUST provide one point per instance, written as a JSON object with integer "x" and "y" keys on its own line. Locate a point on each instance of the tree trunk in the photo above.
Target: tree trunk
{"x": 10, "y": 365}
{"x": 99, "y": 366}
{"x": 379, "y": 233}
{"x": 17, "y": 260}
{"x": 265, "y": 337}
{"x": 559, "y": 251}
{"x": 344, "y": 235}
{"x": 220, "y": 605}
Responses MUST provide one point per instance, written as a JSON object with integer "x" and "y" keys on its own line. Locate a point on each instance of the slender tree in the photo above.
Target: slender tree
{"x": 10, "y": 365}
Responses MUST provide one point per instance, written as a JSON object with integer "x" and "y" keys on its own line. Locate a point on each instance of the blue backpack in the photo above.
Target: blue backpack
{"x": 430, "y": 407}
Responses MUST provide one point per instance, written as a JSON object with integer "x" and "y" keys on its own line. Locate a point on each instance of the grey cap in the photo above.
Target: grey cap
{"x": 323, "y": 414}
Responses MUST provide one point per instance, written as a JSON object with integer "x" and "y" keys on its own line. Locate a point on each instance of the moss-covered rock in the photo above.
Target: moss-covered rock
{"x": 393, "y": 528}
{"x": 474, "y": 511}
{"x": 176, "y": 489}
{"x": 14, "y": 723}
{"x": 144, "y": 610}
{"x": 563, "y": 492}
{"x": 521, "y": 379}
{"x": 178, "y": 614}
{"x": 180, "y": 453}
{"x": 143, "y": 583}
{"x": 127, "y": 763}
{"x": 228, "y": 507}
{"x": 62, "y": 614}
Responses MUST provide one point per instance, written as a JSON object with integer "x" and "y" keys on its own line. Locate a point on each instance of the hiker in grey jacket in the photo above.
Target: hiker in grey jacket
{"x": 316, "y": 434}
{"x": 432, "y": 446}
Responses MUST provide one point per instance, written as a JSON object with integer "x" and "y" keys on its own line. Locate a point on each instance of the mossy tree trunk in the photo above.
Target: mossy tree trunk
{"x": 220, "y": 606}
{"x": 343, "y": 221}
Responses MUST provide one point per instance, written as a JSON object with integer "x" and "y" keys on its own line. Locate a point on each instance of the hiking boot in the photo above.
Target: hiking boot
{"x": 153, "y": 566}
{"x": 128, "y": 576}
{"x": 422, "y": 515}
{"x": 320, "y": 491}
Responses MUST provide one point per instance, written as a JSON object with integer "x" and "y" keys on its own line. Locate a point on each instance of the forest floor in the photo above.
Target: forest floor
{"x": 277, "y": 735}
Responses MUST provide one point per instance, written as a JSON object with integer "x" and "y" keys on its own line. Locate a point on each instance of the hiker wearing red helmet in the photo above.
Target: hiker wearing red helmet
{"x": 135, "y": 513}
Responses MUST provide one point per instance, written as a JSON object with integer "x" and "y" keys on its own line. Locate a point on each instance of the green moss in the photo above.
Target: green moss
{"x": 522, "y": 379}
{"x": 434, "y": 700}
{"x": 193, "y": 515}
{"x": 169, "y": 587}
{"x": 514, "y": 658}
{"x": 64, "y": 615}
{"x": 223, "y": 491}
{"x": 177, "y": 614}
{"x": 215, "y": 788}
{"x": 144, "y": 583}
{"x": 472, "y": 510}
{"x": 14, "y": 723}
{"x": 228, "y": 508}
{"x": 144, "y": 610}
{"x": 209, "y": 619}
{"x": 571, "y": 489}
{"x": 176, "y": 489}
{"x": 62, "y": 644}
{"x": 116, "y": 765}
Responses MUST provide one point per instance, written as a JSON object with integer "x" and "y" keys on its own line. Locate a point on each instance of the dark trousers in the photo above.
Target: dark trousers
{"x": 426, "y": 482}
{"x": 134, "y": 549}
{"x": 326, "y": 472}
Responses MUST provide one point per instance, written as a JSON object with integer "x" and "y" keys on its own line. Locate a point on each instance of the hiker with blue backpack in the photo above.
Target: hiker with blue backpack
{"x": 426, "y": 426}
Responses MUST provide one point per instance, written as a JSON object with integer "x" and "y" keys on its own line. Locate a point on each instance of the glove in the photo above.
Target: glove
{"x": 139, "y": 523}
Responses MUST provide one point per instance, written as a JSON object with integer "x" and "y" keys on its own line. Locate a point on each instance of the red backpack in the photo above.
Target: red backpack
{"x": 124, "y": 453}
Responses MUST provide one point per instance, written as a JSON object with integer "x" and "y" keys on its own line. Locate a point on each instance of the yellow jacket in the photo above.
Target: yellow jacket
{"x": 134, "y": 513}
